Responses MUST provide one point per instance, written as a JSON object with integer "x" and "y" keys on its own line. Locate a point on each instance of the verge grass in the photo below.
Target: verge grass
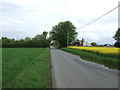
{"x": 0, "y": 68}
{"x": 111, "y": 62}
{"x": 26, "y": 68}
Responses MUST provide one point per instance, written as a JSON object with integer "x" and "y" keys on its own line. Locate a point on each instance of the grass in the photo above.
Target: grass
{"x": 111, "y": 62}
{"x": 26, "y": 68}
{"x": 0, "y": 68}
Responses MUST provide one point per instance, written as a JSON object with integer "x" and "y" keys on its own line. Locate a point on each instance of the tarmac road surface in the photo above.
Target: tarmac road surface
{"x": 69, "y": 71}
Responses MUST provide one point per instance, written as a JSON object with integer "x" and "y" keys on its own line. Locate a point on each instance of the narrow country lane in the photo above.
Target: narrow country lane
{"x": 71, "y": 72}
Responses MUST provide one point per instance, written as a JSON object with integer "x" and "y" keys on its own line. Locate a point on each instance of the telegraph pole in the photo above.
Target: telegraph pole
{"x": 67, "y": 38}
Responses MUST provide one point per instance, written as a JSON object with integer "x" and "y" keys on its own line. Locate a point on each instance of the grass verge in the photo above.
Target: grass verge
{"x": 26, "y": 68}
{"x": 94, "y": 57}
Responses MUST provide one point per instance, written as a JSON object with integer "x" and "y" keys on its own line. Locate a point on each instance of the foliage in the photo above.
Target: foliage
{"x": 117, "y": 44}
{"x": 27, "y": 39}
{"x": 55, "y": 44}
{"x": 45, "y": 34}
{"x": 117, "y": 38}
{"x": 39, "y": 40}
{"x": 117, "y": 35}
{"x": 62, "y": 31}
{"x": 93, "y": 44}
{"x": 26, "y": 68}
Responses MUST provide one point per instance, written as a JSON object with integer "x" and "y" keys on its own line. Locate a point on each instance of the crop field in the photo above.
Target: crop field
{"x": 26, "y": 68}
{"x": 102, "y": 55}
{"x": 103, "y": 50}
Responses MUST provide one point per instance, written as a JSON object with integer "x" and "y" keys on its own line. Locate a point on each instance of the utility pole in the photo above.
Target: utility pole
{"x": 67, "y": 38}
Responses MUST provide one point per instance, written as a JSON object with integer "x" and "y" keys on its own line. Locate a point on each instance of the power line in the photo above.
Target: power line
{"x": 99, "y": 17}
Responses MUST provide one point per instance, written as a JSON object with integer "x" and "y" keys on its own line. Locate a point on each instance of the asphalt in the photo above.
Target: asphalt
{"x": 69, "y": 71}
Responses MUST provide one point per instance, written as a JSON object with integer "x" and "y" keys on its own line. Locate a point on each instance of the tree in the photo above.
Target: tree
{"x": 117, "y": 44}
{"x": 41, "y": 40}
{"x": 49, "y": 39}
{"x": 93, "y": 44}
{"x": 37, "y": 37}
{"x": 117, "y": 35}
{"x": 56, "y": 44}
{"x": 38, "y": 41}
{"x": 27, "y": 39}
{"x": 117, "y": 38}
{"x": 5, "y": 40}
{"x": 41, "y": 36}
{"x": 45, "y": 34}
{"x": 63, "y": 32}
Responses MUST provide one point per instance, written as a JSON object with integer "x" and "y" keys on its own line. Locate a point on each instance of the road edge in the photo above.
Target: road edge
{"x": 52, "y": 73}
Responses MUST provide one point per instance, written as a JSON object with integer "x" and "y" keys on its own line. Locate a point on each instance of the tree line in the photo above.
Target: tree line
{"x": 39, "y": 40}
{"x": 63, "y": 34}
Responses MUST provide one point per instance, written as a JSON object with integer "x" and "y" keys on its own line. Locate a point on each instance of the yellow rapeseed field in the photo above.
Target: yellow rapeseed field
{"x": 104, "y": 50}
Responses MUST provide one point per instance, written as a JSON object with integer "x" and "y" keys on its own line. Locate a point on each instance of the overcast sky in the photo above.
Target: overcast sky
{"x": 22, "y": 18}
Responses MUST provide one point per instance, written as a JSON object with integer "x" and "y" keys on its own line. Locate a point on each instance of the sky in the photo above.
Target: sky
{"x": 22, "y": 18}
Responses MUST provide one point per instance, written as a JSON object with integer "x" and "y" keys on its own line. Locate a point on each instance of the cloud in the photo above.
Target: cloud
{"x": 21, "y": 18}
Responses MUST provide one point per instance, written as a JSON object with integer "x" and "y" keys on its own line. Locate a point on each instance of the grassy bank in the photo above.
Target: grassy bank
{"x": 111, "y": 62}
{"x": 26, "y": 68}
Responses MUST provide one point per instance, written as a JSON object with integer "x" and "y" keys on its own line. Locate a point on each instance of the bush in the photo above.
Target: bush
{"x": 27, "y": 44}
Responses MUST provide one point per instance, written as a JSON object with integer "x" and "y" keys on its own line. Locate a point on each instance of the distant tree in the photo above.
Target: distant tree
{"x": 49, "y": 39}
{"x": 37, "y": 37}
{"x": 5, "y": 40}
{"x": 21, "y": 40}
{"x": 62, "y": 32}
{"x": 27, "y": 39}
{"x": 93, "y": 44}
{"x": 41, "y": 40}
{"x": 107, "y": 45}
{"x": 117, "y": 38}
{"x": 12, "y": 40}
{"x": 45, "y": 34}
{"x": 40, "y": 37}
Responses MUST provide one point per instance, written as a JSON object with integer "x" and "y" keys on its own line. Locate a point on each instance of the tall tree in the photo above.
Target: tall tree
{"x": 64, "y": 32}
{"x": 117, "y": 38}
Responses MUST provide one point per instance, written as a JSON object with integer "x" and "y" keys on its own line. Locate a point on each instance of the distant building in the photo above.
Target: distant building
{"x": 80, "y": 43}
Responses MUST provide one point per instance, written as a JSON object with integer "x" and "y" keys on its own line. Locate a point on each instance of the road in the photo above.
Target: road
{"x": 69, "y": 71}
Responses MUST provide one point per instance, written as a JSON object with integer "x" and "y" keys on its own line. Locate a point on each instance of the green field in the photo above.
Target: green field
{"x": 26, "y": 68}
{"x": 109, "y": 61}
